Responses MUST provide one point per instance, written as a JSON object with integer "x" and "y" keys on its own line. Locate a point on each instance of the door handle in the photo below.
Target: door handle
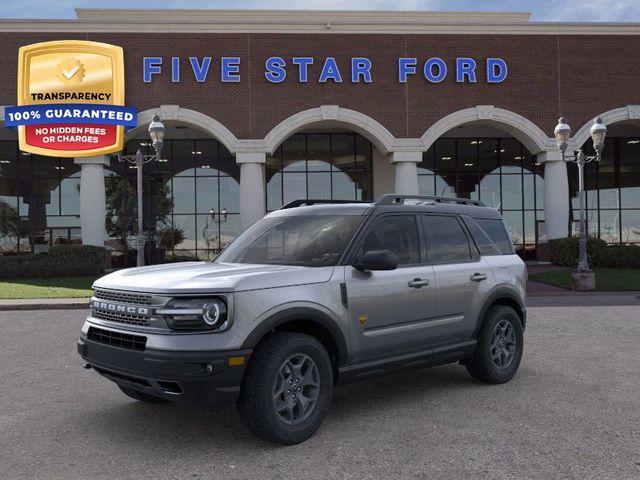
{"x": 418, "y": 282}
{"x": 478, "y": 277}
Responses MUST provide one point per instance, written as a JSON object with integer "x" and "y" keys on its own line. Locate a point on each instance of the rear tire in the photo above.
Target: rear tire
{"x": 286, "y": 390}
{"x": 141, "y": 396}
{"x": 500, "y": 345}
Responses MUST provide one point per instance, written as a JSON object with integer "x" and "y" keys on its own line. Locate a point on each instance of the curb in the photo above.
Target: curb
{"x": 18, "y": 306}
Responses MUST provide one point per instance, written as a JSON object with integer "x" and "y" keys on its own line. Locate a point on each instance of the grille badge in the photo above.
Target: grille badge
{"x": 118, "y": 308}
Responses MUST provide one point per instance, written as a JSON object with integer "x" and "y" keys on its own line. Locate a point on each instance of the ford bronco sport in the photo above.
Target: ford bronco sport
{"x": 315, "y": 294}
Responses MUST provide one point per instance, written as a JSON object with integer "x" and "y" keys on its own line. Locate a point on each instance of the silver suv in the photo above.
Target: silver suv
{"x": 315, "y": 294}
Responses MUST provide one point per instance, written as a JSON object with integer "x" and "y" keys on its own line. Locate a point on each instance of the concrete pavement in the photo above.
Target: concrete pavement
{"x": 573, "y": 411}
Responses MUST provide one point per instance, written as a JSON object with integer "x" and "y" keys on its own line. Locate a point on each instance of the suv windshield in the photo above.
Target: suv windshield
{"x": 310, "y": 241}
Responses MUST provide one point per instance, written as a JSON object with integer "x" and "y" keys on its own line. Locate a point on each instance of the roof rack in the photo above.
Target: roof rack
{"x": 391, "y": 199}
{"x": 309, "y": 201}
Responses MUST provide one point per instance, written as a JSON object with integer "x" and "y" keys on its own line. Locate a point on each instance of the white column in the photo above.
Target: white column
{"x": 92, "y": 199}
{"x": 405, "y": 164}
{"x": 556, "y": 194}
{"x": 252, "y": 187}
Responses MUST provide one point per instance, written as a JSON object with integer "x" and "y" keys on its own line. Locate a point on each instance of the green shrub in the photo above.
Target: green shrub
{"x": 564, "y": 252}
{"x": 61, "y": 261}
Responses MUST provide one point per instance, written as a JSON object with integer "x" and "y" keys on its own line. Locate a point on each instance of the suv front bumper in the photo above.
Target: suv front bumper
{"x": 204, "y": 379}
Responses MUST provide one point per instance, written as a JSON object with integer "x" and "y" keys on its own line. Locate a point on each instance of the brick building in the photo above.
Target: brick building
{"x": 263, "y": 107}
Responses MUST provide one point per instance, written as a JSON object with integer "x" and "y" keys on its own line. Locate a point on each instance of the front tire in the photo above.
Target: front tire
{"x": 141, "y": 396}
{"x": 287, "y": 388}
{"x": 500, "y": 345}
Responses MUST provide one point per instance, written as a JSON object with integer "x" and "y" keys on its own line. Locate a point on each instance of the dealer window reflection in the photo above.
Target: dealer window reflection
{"x": 314, "y": 241}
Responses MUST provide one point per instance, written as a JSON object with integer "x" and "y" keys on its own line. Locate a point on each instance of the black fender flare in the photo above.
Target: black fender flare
{"x": 309, "y": 314}
{"x": 498, "y": 293}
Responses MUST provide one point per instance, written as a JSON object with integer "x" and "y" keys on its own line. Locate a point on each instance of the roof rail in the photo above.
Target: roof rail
{"x": 308, "y": 201}
{"x": 391, "y": 199}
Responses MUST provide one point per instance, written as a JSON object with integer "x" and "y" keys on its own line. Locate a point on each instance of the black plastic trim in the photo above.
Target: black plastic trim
{"x": 202, "y": 379}
{"x": 300, "y": 313}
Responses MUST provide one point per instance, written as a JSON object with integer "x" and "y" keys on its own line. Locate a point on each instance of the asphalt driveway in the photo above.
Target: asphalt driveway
{"x": 573, "y": 411}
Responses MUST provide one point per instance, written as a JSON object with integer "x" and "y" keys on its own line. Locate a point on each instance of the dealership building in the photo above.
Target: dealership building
{"x": 265, "y": 107}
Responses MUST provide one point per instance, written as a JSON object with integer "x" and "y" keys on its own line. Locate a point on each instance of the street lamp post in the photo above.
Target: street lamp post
{"x": 156, "y": 133}
{"x": 598, "y": 132}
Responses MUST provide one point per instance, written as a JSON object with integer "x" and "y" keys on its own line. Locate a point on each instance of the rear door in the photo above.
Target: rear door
{"x": 462, "y": 277}
{"x": 389, "y": 311}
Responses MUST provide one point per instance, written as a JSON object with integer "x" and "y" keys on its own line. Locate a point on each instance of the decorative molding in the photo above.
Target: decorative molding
{"x": 634, "y": 112}
{"x": 382, "y": 138}
{"x": 484, "y": 112}
{"x": 185, "y": 115}
{"x": 169, "y": 112}
{"x": 621, "y": 114}
{"x": 308, "y": 21}
{"x": 329, "y": 112}
{"x": 527, "y": 132}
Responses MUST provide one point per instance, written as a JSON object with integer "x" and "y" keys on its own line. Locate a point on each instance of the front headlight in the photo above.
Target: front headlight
{"x": 195, "y": 314}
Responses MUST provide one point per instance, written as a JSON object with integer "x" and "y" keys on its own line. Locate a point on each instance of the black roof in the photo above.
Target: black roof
{"x": 390, "y": 203}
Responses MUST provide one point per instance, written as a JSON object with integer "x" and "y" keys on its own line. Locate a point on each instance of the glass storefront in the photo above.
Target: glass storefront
{"x": 194, "y": 189}
{"x": 335, "y": 166}
{"x": 612, "y": 192}
{"x": 39, "y": 201}
{"x": 500, "y": 172}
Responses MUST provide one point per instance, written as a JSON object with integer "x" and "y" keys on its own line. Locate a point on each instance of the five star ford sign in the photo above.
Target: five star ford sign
{"x": 70, "y": 99}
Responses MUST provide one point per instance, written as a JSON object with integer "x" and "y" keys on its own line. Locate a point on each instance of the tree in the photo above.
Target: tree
{"x": 9, "y": 222}
{"x": 122, "y": 208}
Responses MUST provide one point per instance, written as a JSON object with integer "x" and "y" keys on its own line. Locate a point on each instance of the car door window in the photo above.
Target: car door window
{"x": 448, "y": 242}
{"x": 398, "y": 233}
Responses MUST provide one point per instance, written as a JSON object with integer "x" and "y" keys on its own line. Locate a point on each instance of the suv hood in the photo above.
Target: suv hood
{"x": 207, "y": 277}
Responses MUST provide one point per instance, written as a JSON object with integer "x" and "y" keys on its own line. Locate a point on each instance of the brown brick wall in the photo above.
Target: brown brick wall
{"x": 578, "y": 76}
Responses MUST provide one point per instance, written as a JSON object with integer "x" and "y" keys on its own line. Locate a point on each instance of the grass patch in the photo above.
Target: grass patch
{"x": 64, "y": 287}
{"x": 607, "y": 279}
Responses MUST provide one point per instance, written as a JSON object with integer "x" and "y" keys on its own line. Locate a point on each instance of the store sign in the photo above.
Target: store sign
{"x": 323, "y": 70}
{"x": 70, "y": 99}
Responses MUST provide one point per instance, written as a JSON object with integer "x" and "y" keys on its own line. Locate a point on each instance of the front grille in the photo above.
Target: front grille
{"x": 117, "y": 339}
{"x": 128, "y": 318}
{"x": 124, "y": 297}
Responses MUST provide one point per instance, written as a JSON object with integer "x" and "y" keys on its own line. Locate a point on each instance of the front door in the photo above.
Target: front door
{"x": 389, "y": 311}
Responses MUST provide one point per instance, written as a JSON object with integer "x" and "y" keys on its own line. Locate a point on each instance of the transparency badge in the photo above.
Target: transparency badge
{"x": 70, "y": 99}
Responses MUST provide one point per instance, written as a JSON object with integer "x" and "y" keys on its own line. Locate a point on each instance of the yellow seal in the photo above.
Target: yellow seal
{"x": 362, "y": 319}
{"x": 70, "y": 71}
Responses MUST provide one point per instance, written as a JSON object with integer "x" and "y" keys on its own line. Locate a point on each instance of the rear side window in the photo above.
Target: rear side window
{"x": 494, "y": 228}
{"x": 486, "y": 246}
{"x": 398, "y": 233}
{"x": 446, "y": 239}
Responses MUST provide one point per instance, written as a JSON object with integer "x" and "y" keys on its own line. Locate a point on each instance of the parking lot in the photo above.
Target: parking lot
{"x": 573, "y": 411}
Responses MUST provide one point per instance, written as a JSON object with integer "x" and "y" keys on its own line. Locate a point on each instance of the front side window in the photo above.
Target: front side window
{"x": 309, "y": 241}
{"x": 447, "y": 241}
{"x": 397, "y": 233}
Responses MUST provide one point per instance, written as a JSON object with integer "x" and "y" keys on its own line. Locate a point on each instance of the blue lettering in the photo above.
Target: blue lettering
{"x": 465, "y": 67}
{"x": 230, "y": 70}
{"x": 200, "y": 71}
{"x": 496, "y": 70}
{"x": 330, "y": 71}
{"x": 360, "y": 67}
{"x": 406, "y": 66}
{"x": 428, "y": 70}
{"x": 303, "y": 65}
{"x": 275, "y": 69}
{"x": 151, "y": 66}
{"x": 175, "y": 69}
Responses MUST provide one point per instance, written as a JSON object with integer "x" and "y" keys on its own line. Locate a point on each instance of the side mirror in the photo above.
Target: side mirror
{"x": 377, "y": 260}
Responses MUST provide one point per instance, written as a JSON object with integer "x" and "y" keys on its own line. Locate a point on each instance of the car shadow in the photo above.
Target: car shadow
{"x": 134, "y": 423}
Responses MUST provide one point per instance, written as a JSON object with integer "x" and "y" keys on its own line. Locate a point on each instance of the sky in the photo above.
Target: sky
{"x": 542, "y": 10}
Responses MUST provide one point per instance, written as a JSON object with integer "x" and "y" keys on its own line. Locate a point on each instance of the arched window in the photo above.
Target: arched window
{"x": 335, "y": 166}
